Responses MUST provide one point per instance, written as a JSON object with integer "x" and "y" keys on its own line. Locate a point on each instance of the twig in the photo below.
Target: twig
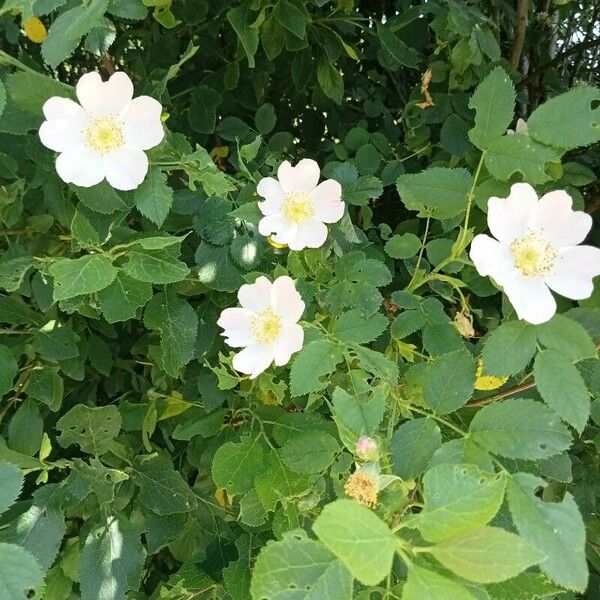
{"x": 519, "y": 33}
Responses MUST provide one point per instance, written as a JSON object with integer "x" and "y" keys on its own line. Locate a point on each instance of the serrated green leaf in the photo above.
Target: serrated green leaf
{"x": 26, "y": 428}
{"x": 487, "y": 555}
{"x": 153, "y": 198}
{"x": 526, "y": 586}
{"x": 412, "y": 446}
{"x": 240, "y": 20}
{"x": 450, "y": 381}
{"x": 359, "y": 538}
{"x": 509, "y": 348}
{"x": 567, "y": 337}
{"x": 101, "y": 198}
{"x": 424, "y": 583}
{"x": 47, "y": 386}
{"x": 155, "y": 266}
{"x": 58, "y": 343}
{"x": 85, "y": 275}
{"x": 555, "y": 528}
{"x": 92, "y": 429}
{"x": 19, "y": 572}
{"x": 351, "y": 326}
{"x": 234, "y": 466}
{"x": 562, "y": 387}
{"x": 121, "y": 300}
{"x": 403, "y": 246}
{"x": 216, "y": 268}
{"x": 13, "y": 271}
{"x": 302, "y": 565}
{"x": 437, "y": 192}
{"x": 202, "y": 115}
{"x": 162, "y": 489}
{"x": 519, "y": 428}
{"x": 360, "y": 415}
{"x": 494, "y": 104}
{"x": 310, "y": 452}
{"x": 11, "y": 482}
{"x": 8, "y": 369}
{"x": 316, "y": 360}
{"x": 458, "y": 498}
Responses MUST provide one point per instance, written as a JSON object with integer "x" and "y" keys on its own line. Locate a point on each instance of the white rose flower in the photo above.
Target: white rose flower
{"x": 297, "y": 206}
{"x": 105, "y": 135}
{"x": 266, "y": 325}
{"x": 536, "y": 250}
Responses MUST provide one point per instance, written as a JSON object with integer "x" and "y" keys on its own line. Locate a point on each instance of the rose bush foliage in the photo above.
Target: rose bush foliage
{"x": 422, "y": 441}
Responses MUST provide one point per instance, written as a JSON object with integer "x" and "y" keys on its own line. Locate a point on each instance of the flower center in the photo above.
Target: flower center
{"x": 363, "y": 488}
{"x": 266, "y": 326}
{"x": 533, "y": 254}
{"x": 298, "y": 207}
{"x": 104, "y": 134}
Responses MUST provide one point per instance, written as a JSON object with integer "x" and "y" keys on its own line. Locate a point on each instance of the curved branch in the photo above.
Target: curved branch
{"x": 519, "y": 33}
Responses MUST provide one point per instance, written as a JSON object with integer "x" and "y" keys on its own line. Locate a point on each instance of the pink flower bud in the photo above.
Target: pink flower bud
{"x": 366, "y": 448}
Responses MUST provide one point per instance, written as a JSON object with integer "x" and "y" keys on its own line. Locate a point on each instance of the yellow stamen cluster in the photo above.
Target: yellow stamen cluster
{"x": 487, "y": 382}
{"x": 104, "y": 135}
{"x": 35, "y": 30}
{"x": 298, "y": 207}
{"x": 534, "y": 256}
{"x": 266, "y": 326}
{"x": 363, "y": 488}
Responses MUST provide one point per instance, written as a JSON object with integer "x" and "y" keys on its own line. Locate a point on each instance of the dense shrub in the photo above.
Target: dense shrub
{"x": 434, "y": 435}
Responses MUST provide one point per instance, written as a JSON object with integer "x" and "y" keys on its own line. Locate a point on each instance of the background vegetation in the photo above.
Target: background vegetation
{"x": 136, "y": 463}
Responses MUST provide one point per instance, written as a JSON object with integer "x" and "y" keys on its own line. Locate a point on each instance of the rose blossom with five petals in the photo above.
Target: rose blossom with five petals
{"x": 297, "y": 206}
{"x": 536, "y": 249}
{"x": 105, "y": 135}
{"x": 265, "y": 325}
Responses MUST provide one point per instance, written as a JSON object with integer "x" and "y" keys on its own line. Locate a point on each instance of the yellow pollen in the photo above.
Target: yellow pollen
{"x": 298, "y": 207}
{"x": 534, "y": 256}
{"x": 363, "y": 488}
{"x": 35, "y": 30}
{"x": 266, "y": 326}
{"x": 104, "y": 135}
{"x": 487, "y": 382}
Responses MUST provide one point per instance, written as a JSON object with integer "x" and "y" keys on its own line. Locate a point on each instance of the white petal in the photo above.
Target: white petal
{"x": 273, "y": 193}
{"x": 285, "y": 300}
{"x": 104, "y": 97}
{"x": 237, "y": 326}
{"x": 272, "y": 224}
{"x": 256, "y": 296}
{"x": 253, "y": 360}
{"x": 81, "y": 166}
{"x": 289, "y": 341}
{"x": 142, "y": 126}
{"x": 301, "y": 178}
{"x": 491, "y": 258}
{"x": 531, "y": 299}
{"x": 310, "y": 234}
{"x": 126, "y": 168}
{"x": 561, "y": 225}
{"x": 508, "y": 218}
{"x": 64, "y": 108}
{"x": 574, "y": 270}
{"x": 329, "y": 207}
{"x": 61, "y": 134}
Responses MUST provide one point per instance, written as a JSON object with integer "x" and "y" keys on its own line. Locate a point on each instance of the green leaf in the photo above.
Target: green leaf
{"x": 360, "y": 415}
{"x": 97, "y": 479}
{"x": 19, "y": 572}
{"x": 240, "y": 20}
{"x": 202, "y": 115}
{"x": 93, "y": 429}
{"x": 265, "y": 118}
{"x": 111, "y": 561}
{"x": 121, "y": 300}
{"x": 13, "y": 271}
{"x": 302, "y": 567}
{"x": 519, "y": 428}
{"x": 330, "y": 80}
{"x": 11, "y": 482}
{"x": 234, "y": 466}
{"x": 67, "y": 30}
{"x": 217, "y": 269}
{"x": 162, "y": 489}
{"x": 85, "y": 275}
{"x": 28, "y": 90}
{"x": 562, "y": 388}
{"x": 458, "y": 498}
{"x": 526, "y": 586}
{"x": 101, "y": 198}
{"x": 56, "y": 343}
{"x": 47, "y": 386}
{"x": 450, "y": 381}
{"x": 438, "y": 192}
{"x": 351, "y": 326}
{"x": 155, "y": 266}
{"x": 494, "y": 104}
{"x": 554, "y": 528}
{"x": 520, "y": 154}
{"x": 568, "y": 120}
{"x": 377, "y": 364}
{"x": 26, "y": 428}
{"x": 153, "y": 198}
{"x": 8, "y": 370}
{"x": 316, "y": 360}
{"x": 394, "y": 52}
{"x": 487, "y": 555}
{"x": 567, "y": 337}
{"x": 509, "y": 348}
{"x": 310, "y": 452}
{"x": 412, "y": 446}
{"x": 359, "y": 538}
{"x": 362, "y": 190}
{"x": 177, "y": 323}
{"x": 403, "y": 246}
{"x": 424, "y": 583}
{"x": 292, "y": 18}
